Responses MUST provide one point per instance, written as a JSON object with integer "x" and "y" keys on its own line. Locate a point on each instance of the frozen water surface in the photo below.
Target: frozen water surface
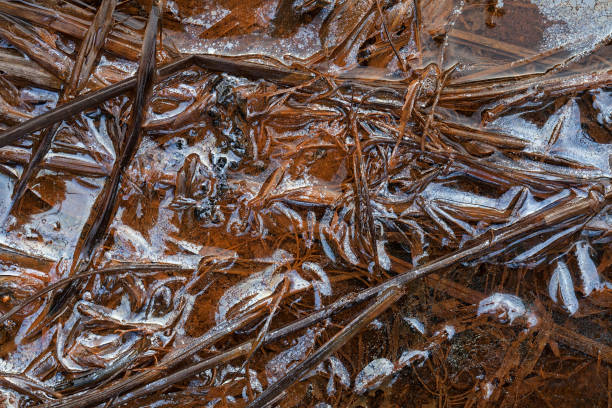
{"x": 258, "y": 194}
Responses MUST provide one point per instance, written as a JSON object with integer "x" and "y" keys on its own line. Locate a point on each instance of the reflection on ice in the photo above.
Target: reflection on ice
{"x": 250, "y": 184}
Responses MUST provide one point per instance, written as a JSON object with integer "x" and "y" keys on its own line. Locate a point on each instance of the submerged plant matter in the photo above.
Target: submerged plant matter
{"x": 305, "y": 203}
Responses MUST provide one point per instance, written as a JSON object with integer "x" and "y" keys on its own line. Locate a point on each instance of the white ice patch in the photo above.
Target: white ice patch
{"x": 602, "y": 101}
{"x": 448, "y": 330}
{"x": 278, "y": 366}
{"x": 416, "y": 324}
{"x": 62, "y": 336}
{"x": 257, "y": 288}
{"x": 10, "y": 398}
{"x": 581, "y": 22}
{"x": 561, "y": 280}
{"x": 323, "y": 284}
{"x": 488, "y": 390}
{"x": 348, "y": 251}
{"x": 323, "y": 229}
{"x": 588, "y": 271}
{"x": 373, "y": 375}
{"x": 254, "y": 381}
{"x": 131, "y": 241}
{"x": 297, "y": 283}
{"x": 572, "y": 142}
{"x": 211, "y": 15}
{"x": 532, "y": 319}
{"x": 383, "y": 258}
{"x": 380, "y": 370}
{"x": 279, "y": 257}
{"x": 376, "y": 324}
{"x": 502, "y": 305}
{"x": 338, "y": 370}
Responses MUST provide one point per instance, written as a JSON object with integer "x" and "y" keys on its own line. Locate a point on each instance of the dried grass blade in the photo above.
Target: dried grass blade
{"x": 81, "y": 103}
{"x": 146, "y": 377}
{"x": 66, "y": 164}
{"x": 541, "y": 219}
{"x": 26, "y": 386}
{"x": 117, "y": 43}
{"x": 21, "y": 69}
{"x": 103, "y": 209}
{"x": 499, "y": 89}
{"x": 362, "y": 193}
{"x": 101, "y": 375}
{"x": 417, "y": 30}
{"x": 492, "y": 138}
{"x": 400, "y": 61}
{"x": 187, "y": 373}
{"x": 86, "y": 57}
{"x": 91, "y": 47}
{"x": 385, "y": 300}
{"x": 105, "y": 271}
{"x": 27, "y": 41}
{"x": 407, "y": 108}
{"x": 441, "y": 85}
{"x": 43, "y": 146}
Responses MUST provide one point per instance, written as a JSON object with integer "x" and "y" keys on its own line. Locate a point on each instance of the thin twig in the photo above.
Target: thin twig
{"x": 441, "y": 85}
{"x": 417, "y": 30}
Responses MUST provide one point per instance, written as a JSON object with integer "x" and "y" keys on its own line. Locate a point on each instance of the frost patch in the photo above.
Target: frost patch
{"x": 504, "y": 306}
{"x": 416, "y": 324}
{"x": 561, "y": 280}
{"x": 381, "y": 370}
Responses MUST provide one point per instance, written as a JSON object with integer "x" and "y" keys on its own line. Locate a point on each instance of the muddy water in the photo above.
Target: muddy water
{"x": 247, "y": 196}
